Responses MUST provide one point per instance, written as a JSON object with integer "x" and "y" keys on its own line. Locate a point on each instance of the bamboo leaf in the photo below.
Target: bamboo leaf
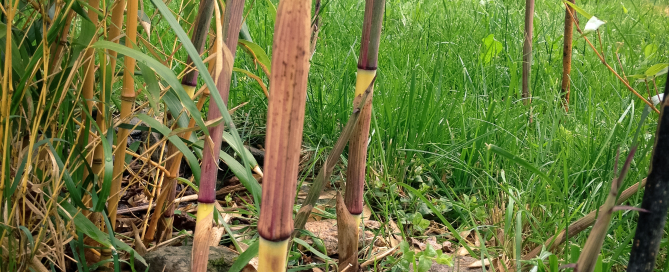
{"x": 176, "y": 141}
{"x": 228, "y": 138}
{"x": 82, "y": 224}
{"x": 245, "y": 257}
{"x": 657, "y": 70}
{"x": 75, "y": 193}
{"x": 578, "y": 9}
{"x": 313, "y": 250}
{"x": 152, "y": 86}
{"x": 258, "y": 54}
{"x": 165, "y": 73}
{"x": 272, "y": 9}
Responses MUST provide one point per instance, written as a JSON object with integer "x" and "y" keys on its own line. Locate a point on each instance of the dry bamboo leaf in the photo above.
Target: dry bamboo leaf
{"x": 478, "y": 264}
{"x": 462, "y": 251}
{"x": 366, "y": 213}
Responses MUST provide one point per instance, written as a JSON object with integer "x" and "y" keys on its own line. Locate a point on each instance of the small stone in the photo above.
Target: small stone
{"x": 177, "y": 259}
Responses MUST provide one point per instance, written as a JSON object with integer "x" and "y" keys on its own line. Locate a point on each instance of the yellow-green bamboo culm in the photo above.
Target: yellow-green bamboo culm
{"x": 285, "y": 120}
{"x": 128, "y": 95}
{"x": 232, "y": 24}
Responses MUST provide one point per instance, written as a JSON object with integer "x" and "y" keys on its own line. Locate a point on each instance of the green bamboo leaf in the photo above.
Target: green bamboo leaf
{"x": 72, "y": 188}
{"x": 657, "y": 70}
{"x": 192, "y": 52}
{"x": 165, "y": 73}
{"x": 187, "y": 182}
{"x": 517, "y": 160}
{"x": 313, "y": 250}
{"x": 176, "y": 141}
{"x": 578, "y": 9}
{"x": 441, "y": 217}
{"x": 257, "y": 53}
{"x": 152, "y": 86}
{"x": 272, "y": 9}
{"x": 245, "y": 257}
{"x": 82, "y": 224}
{"x": 229, "y": 139}
{"x": 244, "y": 33}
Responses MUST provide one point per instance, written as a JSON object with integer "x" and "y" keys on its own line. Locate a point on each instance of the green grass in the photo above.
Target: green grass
{"x": 437, "y": 104}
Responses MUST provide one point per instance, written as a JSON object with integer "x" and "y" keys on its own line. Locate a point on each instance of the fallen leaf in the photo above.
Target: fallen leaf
{"x": 433, "y": 242}
{"x": 447, "y": 247}
{"x": 478, "y": 264}
{"x": 417, "y": 243}
{"x": 366, "y": 213}
{"x": 462, "y": 251}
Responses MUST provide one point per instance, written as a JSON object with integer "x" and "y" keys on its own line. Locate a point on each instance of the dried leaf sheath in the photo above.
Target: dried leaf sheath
{"x": 285, "y": 118}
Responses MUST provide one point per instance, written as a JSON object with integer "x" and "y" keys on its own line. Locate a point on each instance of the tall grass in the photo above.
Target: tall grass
{"x": 439, "y": 102}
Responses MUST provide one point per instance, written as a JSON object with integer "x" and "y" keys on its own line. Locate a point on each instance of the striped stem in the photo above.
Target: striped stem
{"x": 355, "y": 173}
{"x": 566, "y": 55}
{"x": 207, "y": 194}
{"x": 285, "y": 120}
{"x": 527, "y": 50}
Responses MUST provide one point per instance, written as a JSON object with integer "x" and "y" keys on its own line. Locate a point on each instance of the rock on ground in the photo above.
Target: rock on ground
{"x": 177, "y": 259}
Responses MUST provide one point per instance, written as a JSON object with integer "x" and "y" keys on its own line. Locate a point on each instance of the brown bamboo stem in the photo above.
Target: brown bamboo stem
{"x": 527, "y": 50}
{"x": 189, "y": 82}
{"x": 367, "y": 65}
{"x": 566, "y": 55}
{"x": 285, "y": 120}
{"x": 207, "y": 194}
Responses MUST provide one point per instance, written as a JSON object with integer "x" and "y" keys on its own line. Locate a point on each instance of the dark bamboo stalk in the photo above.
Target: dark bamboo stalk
{"x": 189, "y": 83}
{"x": 207, "y": 195}
{"x": 527, "y": 50}
{"x": 357, "y": 162}
{"x": 650, "y": 227}
{"x": 566, "y": 55}
{"x": 285, "y": 119}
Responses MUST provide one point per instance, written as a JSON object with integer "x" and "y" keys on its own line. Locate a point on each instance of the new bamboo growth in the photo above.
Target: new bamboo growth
{"x": 285, "y": 119}
{"x": 527, "y": 50}
{"x": 207, "y": 193}
{"x": 355, "y": 174}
